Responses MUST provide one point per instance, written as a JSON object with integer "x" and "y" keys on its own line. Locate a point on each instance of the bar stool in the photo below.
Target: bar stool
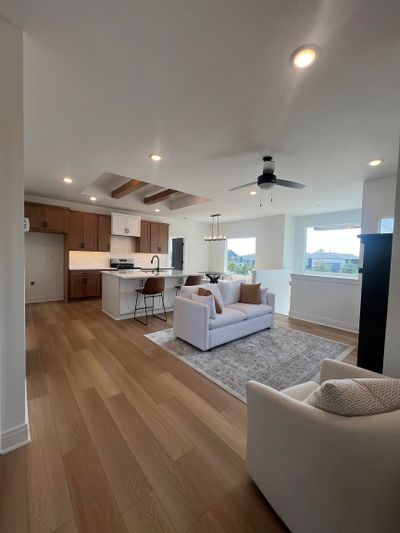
{"x": 190, "y": 281}
{"x": 153, "y": 287}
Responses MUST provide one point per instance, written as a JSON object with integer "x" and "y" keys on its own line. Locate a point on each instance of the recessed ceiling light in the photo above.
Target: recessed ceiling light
{"x": 155, "y": 157}
{"x": 157, "y": 210}
{"x": 305, "y": 56}
{"x": 66, "y": 179}
{"x": 93, "y": 198}
{"x": 253, "y": 193}
{"x": 375, "y": 162}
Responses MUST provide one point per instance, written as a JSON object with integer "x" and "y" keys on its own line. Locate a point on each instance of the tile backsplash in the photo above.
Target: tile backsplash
{"x": 121, "y": 247}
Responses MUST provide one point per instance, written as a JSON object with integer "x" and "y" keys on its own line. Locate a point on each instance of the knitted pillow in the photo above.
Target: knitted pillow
{"x": 357, "y": 396}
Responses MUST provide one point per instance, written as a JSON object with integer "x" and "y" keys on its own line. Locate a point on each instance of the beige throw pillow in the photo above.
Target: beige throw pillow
{"x": 250, "y": 293}
{"x": 357, "y": 397}
{"x": 208, "y": 300}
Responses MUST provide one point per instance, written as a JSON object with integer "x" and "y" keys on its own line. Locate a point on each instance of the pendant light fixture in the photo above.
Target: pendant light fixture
{"x": 214, "y": 237}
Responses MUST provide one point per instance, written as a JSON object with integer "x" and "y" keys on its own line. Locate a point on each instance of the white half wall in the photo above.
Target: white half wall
{"x": 13, "y": 421}
{"x": 278, "y": 282}
{"x": 326, "y": 300}
{"x": 44, "y": 267}
{"x": 391, "y": 362}
{"x": 379, "y": 196}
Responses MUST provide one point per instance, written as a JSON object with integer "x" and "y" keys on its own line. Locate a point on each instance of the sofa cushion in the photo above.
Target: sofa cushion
{"x": 252, "y": 310}
{"x": 250, "y": 293}
{"x": 226, "y": 318}
{"x": 230, "y": 291}
{"x": 357, "y": 396}
{"x": 207, "y": 300}
{"x": 263, "y": 296}
{"x": 207, "y": 292}
{"x": 213, "y": 287}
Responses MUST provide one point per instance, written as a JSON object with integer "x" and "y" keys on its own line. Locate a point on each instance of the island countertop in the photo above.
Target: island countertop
{"x": 138, "y": 274}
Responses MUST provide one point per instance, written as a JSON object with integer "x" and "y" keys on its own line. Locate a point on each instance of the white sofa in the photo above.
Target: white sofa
{"x": 193, "y": 324}
{"x": 321, "y": 472}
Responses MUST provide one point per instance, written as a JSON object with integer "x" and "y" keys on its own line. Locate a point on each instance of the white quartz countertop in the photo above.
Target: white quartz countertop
{"x": 137, "y": 274}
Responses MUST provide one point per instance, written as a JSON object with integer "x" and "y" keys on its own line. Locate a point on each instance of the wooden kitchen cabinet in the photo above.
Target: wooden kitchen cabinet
{"x": 84, "y": 284}
{"x": 82, "y": 231}
{"x": 46, "y": 218}
{"x": 153, "y": 237}
{"x": 104, "y": 233}
{"x": 144, "y": 239}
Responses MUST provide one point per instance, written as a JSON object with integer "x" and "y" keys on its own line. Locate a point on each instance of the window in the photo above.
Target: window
{"x": 333, "y": 250}
{"x": 386, "y": 225}
{"x": 241, "y": 256}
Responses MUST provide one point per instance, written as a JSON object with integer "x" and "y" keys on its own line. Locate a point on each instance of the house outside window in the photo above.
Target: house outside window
{"x": 333, "y": 250}
{"x": 241, "y": 256}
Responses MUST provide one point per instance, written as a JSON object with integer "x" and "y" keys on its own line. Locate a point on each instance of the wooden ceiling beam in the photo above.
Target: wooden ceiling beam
{"x": 160, "y": 196}
{"x": 127, "y": 188}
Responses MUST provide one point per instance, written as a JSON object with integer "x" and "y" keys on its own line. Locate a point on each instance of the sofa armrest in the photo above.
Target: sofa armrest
{"x": 191, "y": 322}
{"x": 332, "y": 369}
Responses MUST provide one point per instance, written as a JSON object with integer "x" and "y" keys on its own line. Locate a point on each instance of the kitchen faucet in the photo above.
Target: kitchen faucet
{"x": 158, "y": 262}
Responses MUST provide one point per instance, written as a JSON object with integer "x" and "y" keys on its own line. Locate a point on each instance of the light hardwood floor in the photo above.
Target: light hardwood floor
{"x": 125, "y": 437}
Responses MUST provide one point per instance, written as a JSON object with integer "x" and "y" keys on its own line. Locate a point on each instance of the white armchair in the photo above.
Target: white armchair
{"x": 321, "y": 472}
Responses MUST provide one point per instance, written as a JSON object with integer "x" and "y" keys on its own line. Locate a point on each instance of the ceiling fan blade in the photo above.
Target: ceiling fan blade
{"x": 290, "y": 184}
{"x": 243, "y": 186}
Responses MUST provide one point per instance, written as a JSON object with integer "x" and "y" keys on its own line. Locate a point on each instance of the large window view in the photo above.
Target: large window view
{"x": 241, "y": 256}
{"x": 333, "y": 250}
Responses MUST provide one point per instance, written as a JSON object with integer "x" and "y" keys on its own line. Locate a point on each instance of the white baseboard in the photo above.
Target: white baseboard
{"x": 323, "y": 321}
{"x": 18, "y": 436}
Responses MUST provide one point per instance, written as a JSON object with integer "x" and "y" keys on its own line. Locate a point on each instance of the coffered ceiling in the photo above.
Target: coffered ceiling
{"x": 208, "y": 85}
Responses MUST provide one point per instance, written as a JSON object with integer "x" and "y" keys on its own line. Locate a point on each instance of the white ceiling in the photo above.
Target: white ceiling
{"x": 208, "y": 85}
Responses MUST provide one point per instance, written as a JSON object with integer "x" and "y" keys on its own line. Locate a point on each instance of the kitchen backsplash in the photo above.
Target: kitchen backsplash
{"x": 121, "y": 247}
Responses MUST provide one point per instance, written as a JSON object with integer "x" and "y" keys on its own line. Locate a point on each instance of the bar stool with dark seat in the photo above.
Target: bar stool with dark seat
{"x": 153, "y": 287}
{"x": 190, "y": 281}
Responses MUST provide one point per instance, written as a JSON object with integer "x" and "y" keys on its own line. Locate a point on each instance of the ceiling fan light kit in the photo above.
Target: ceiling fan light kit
{"x": 267, "y": 179}
{"x": 215, "y": 237}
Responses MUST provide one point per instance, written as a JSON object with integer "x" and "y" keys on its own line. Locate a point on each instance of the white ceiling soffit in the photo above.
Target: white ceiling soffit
{"x": 208, "y": 85}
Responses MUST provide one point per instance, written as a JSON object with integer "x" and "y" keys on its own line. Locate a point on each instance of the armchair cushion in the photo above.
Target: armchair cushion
{"x": 302, "y": 391}
{"x": 357, "y": 397}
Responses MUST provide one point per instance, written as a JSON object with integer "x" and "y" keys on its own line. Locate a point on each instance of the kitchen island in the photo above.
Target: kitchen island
{"x": 119, "y": 290}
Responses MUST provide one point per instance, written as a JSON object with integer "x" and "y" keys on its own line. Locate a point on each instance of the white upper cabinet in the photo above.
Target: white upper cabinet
{"x": 125, "y": 225}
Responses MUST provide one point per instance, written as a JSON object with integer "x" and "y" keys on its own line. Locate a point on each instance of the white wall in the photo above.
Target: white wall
{"x": 44, "y": 267}
{"x": 196, "y": 250}
{"x": 270, "y": 236}
{"x": 322, "y": 219}
{"x": 326, "y": 300}
{"x": 391, "y": 363}
{"x": 379, "y": 197}
{"x": 13, "y": 420}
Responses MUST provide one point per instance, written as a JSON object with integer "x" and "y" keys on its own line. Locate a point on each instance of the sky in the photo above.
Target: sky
{"x": 342, "y": 241}
{"x": 242, "y": 246}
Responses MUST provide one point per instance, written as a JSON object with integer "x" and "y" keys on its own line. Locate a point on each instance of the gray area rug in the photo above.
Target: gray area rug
{"x": 279, "y": 358}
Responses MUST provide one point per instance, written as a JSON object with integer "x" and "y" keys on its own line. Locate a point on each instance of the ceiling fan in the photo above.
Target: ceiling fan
{"x": 268, "y": 179}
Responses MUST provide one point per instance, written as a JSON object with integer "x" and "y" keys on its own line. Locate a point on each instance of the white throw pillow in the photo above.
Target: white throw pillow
{"x": 208, "y": 300}
{"x": 263, "y": 296}
{"x": 213, "y": 287}
{"x": 357, "y": 397}
{"x": 230, "y": 291}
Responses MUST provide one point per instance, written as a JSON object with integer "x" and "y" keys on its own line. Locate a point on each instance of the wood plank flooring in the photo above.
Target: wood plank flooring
{"x": 126, "y": 438}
